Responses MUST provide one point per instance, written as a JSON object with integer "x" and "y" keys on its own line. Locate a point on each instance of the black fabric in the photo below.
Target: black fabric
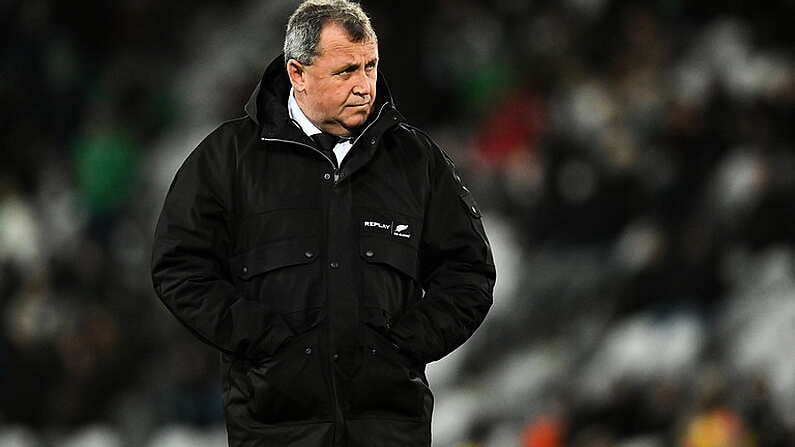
{"x": 326, "y": 295}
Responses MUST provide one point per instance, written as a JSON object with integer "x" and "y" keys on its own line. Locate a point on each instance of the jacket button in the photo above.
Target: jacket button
{"x": 335, "y": 357}
{"x": 308, "y": 254}
{"x": 372, "y": 142}
{"x": 369, "y": 253}
{"x": 245, "y": 269}
{"x": 327, "y": 176}
{"x": 372, "y": 351}
{"x": 308, "y": 350}
{"x": 334, "y": 264}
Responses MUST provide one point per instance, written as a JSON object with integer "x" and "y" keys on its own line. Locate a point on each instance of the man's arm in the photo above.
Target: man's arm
{"x": 191, "y": 244}
{"x": 457, "y": 271}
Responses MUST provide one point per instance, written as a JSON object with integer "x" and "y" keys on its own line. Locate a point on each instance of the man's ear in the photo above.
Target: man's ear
{"x": 296, "y": 71}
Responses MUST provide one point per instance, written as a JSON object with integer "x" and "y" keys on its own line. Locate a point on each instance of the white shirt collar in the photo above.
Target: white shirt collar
{"x": 299, "y": 117}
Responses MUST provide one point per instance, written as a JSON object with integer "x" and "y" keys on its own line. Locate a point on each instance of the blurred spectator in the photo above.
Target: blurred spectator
{"x": 544, "y": 431}
{"x": 716, "y": 427}
{"x": 106, "y": 170}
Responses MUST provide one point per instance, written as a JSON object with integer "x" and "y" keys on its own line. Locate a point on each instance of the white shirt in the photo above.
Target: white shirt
{"x": 297, "y": 115}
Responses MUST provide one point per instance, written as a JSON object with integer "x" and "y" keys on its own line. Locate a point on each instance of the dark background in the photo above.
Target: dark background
{"x": 634, "y": 160}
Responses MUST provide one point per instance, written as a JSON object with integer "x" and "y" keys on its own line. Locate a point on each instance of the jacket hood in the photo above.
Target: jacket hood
{"x": 267, "y": 105}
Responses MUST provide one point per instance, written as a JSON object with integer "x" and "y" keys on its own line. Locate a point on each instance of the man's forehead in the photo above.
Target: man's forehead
{"x": 335, "y": 40}
{"x": 349, "y": 50}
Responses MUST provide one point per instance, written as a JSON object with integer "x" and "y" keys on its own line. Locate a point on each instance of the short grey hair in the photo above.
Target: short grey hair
{"x": 304, "y": 26}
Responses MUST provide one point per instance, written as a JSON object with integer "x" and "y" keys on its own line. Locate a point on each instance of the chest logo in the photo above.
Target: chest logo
{"x": 387, "y": 227}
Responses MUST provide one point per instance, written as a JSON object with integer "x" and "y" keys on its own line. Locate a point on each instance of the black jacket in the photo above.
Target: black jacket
{"x": 327, "y": 289}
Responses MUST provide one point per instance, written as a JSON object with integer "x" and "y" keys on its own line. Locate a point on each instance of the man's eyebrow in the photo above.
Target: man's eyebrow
{"x": 355, "y": 66}
{"x": 351, "y": 66}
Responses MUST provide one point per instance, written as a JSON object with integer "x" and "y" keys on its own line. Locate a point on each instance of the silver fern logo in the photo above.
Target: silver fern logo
{"x": 401, "y": 231}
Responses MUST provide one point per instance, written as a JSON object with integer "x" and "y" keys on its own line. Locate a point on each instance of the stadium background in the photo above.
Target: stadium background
{"x": 635, "y": 161}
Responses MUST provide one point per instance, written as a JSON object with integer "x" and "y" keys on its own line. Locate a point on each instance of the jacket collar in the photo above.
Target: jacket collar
{"x": 267, "y": 106}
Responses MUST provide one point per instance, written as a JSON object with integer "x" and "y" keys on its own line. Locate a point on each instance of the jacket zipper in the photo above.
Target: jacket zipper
{"x": 336, "y": 170}
{"x": 333, "y": 165}
{"x": 337, "y": 411}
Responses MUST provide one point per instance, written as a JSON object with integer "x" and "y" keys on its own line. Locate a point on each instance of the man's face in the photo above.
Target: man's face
{"x": 337, "y": 91}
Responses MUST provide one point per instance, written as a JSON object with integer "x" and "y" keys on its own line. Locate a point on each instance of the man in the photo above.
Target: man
{"x": 328, "y": 273}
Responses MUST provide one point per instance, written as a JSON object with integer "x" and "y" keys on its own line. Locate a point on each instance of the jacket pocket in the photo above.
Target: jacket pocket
{"x": 388, "y": 384}
{"x": 282, "y": 275}
{"x": 389, "y": 273}
{"x": 290, "y": 385}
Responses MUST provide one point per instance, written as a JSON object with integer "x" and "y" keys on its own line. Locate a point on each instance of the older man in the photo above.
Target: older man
{"x": 326, "y": 247}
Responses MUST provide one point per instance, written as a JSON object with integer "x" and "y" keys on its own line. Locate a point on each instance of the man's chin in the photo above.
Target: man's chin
{"x": 355, "y": 121}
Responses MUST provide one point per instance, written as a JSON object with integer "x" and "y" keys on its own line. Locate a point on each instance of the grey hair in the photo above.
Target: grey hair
{"x": 304, "y": 26}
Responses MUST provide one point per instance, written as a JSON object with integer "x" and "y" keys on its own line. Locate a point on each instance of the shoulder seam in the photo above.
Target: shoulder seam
{"x": 231, "y": 121}
{"x": 444, "y": 153}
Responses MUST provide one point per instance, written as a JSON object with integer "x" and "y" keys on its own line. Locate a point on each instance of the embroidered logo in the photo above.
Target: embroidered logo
{"x": 400, "y": 231}
{"x": 388, "y": 227}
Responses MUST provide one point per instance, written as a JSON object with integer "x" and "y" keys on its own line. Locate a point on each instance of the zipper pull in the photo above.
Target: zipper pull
{"x": 336, "y": 175}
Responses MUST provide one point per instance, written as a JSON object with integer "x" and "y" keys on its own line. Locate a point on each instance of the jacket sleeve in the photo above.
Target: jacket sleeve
{"x": 456, "y": 271}
{"x": 190, "y": 252}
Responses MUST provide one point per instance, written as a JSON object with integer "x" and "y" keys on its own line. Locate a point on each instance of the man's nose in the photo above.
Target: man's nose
{"x": 361, "y": 85}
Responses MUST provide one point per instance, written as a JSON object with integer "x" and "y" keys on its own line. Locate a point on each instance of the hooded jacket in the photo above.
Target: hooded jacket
{"x": 326, "y": 288}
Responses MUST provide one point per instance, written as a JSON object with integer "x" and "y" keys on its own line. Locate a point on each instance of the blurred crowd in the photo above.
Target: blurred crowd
{"x": 635, "y": 161}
